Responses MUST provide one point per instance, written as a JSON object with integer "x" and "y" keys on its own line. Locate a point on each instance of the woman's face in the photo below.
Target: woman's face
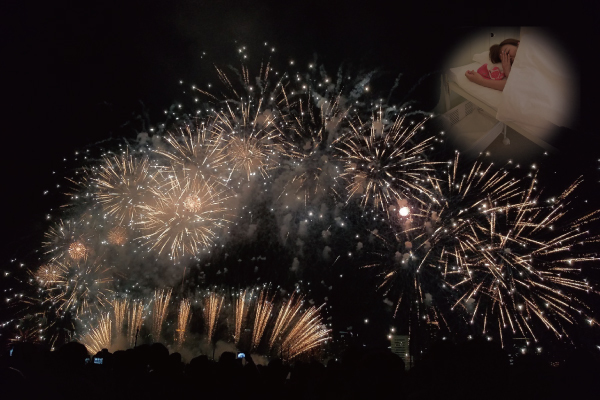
{"x": 511, "y": 50}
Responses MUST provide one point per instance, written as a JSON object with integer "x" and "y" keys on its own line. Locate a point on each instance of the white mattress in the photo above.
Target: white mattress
{"x": 491, "y": 97}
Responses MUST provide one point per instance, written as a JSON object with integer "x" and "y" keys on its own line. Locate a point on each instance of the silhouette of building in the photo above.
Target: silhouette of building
{"x": 400, "y": 347}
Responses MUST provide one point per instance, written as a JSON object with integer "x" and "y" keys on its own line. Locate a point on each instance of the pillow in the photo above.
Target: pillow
{"x": 482, "y": 58}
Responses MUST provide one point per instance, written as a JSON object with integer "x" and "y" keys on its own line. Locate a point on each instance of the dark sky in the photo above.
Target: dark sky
{"x": 75, "y": 73}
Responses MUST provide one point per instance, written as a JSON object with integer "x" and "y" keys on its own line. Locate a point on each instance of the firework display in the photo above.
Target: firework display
{"x": 313, "y": 172}
{"x": 297, "y": 330}
{"x": 241, "y": 312}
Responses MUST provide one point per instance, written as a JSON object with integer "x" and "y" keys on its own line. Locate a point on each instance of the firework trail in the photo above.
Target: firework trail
{"x": 100, "y": 336}
{"x": 212, "y": 308}
{"x": 135, "y": 319}
{"x": 382, "y": 164}
{"x": 183, "y": 319}
{"x": 264, "y": 306}
{"x": 287, "y": 313}
{"x": 305, "y": 334}
{"x": 120, "y": 307}
{"x": 159, "y": 311}
{"x": 185, "y": 218}
{"x": 121, "y": 186}
{"x": 241, "y": 312}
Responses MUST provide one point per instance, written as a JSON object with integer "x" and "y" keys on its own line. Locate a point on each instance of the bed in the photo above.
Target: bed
{"x": 539, "y": 96}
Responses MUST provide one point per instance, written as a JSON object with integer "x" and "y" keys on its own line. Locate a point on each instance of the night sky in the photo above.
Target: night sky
{"x": 78, "y": 73}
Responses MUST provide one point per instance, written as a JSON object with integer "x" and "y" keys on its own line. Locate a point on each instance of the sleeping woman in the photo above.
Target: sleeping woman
{"x": 492, "y": 76}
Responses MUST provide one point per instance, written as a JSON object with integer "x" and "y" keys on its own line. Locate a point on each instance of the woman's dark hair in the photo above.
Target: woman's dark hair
{"x": 495, "y": 49}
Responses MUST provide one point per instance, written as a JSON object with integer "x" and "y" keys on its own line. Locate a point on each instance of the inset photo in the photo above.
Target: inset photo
{"x": 509, "y": 92}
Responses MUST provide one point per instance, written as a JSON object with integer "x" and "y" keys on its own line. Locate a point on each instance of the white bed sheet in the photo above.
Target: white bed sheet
{"x": 491, "y": 97}
{"x": 542, "y": 90}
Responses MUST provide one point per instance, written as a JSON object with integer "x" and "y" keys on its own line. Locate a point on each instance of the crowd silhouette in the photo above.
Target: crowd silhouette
{"x": 474, "y": 370}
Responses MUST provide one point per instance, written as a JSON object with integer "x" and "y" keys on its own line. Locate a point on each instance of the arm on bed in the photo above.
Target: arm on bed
{"x": 474, "y": 77}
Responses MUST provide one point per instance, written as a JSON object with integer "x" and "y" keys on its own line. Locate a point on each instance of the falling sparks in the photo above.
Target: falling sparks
{"x": 100, "y": 336}
{"x": 120, "y": 307}
{"x": 286, "y": 314}
{"x": 264, "y": 306}
{"x": 183, "y": 319}
{"x": 307, "y": 333}
{"x": 135, "y": 319}
{"x": 159, "y": 311}
{"x": 241, "y": 313}
{"x": 212, "y": 308}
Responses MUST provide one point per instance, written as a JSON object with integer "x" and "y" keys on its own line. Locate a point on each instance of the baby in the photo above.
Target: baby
{"x": 492, "y": 76}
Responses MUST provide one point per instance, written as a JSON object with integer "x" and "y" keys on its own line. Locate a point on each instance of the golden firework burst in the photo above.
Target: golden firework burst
{"x": 186, "y": 217}
{"x": 118, "y": 235}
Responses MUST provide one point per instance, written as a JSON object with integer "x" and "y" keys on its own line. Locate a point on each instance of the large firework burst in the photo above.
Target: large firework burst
{"x": 194, "y": 150}
{"x": 121, "y": 186}
{"x": 75, "y": 286}
{"x": 249, "y": 124}
{"x": 383, "y": 163}
{"x": 185, "y": 218}
{"x": 68, "y": 240}
{"x": 486, "y": 246}
{"x": 524, "y": 264}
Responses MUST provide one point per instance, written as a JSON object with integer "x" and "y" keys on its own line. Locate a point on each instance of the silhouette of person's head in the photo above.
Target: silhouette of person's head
{"x": 227, "y": 358}
{"x": 158, "y": 355}
{"x": 72, "y": 355}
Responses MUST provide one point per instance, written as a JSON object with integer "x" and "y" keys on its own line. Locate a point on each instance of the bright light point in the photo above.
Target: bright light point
{"x": 404, "y": 211}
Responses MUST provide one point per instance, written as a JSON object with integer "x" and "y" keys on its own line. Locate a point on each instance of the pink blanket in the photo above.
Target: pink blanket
{"x": 491, "y": 71}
